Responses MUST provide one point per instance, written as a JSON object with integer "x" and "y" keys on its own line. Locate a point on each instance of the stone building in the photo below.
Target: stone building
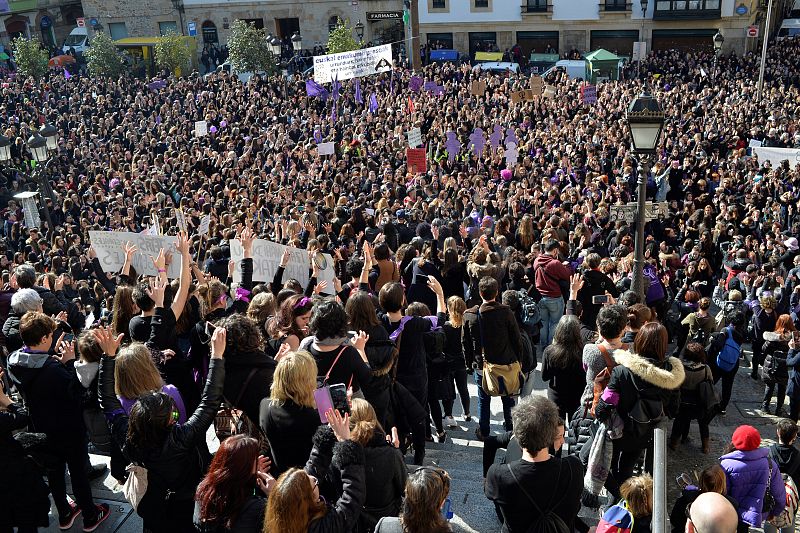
{"x": 48, "y": 20}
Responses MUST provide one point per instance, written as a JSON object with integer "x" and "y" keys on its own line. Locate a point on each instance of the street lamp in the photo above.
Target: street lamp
{"x": 360, "y": 31}
{"x": 718, "y": 40}
{"x": 644, "y": 4}
{"x": 50, "y": 134}
{"x": 645, "y": 120}
{"x": 297, "y": 42}
{"x": 275, "y": 46}
{"x": 5, "y": 149}
{"x": 38, "y": 147}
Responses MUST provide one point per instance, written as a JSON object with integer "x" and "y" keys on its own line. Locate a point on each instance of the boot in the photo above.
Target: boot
{"x": 765, "y": 408}
{"x": 673, "y": 442}
{"x": 706, "y": 444}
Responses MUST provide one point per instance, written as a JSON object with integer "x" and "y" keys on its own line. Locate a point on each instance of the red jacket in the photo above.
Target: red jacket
{"x": 548, "y": 272}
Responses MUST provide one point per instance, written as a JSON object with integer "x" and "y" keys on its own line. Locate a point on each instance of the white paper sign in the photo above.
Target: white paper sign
{"x": 414, "y": 137}
{"x": 109, "y": 246}
{"x": 31, "y": 212}
{"x": 755, "y": 143}
{"x": 776, "y": 155}
{"x": 353, "y": 64}
{"x": 205, "y": 222}
{"x": 180, "y": 219}
{"x": 267, "y": 258}
{"x": 639, "y": 51}
{"x": 201, "y": 128}
{"x": 325, "y": 148}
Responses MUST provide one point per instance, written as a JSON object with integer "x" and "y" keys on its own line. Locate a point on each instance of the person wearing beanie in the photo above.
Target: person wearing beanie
{"x": 748, "y": 473}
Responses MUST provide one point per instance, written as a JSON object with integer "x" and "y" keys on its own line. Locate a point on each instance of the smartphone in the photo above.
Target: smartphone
{"x": 69, "y": 337}
{"x": 600, "y": 299}
{"x": 210, "y": 329}
{"x": 338, "y": 394}
{"x": 322, "y": 397}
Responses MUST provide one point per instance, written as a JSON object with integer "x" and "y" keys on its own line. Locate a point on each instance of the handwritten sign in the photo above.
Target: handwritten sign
{"x": 416, "y": 160}
{"x": 414, "y": 137}
{"x": 180, "y": 219}
{"x": 201, "y": 128}
{"x": 205, "y": 222}
{"x": 589, "y": 94}
{"x": 267, "y": 258}
{"x": 477, "y": 88}
{"x": 109, "y": 246}
{"x": 537, "y": 85}
{"x": 325, "y": 148}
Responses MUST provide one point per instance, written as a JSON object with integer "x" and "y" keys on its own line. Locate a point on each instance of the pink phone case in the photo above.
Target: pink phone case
{"x": 322, "y": 397}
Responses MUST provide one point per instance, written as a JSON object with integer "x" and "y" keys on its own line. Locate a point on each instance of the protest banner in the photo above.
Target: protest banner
{"x": 415, "y": 159}
{"x": 267, "y": 258}
{"x": 353, "y": 64}
{"x": 181, "y": 220}
{"x": 589, "y": 94}
{"x": 776, "y": 155}
{"x": 755, "y": 143}
{"x": 477, "y": 88}
{"x": 201, "y": 128}
{"x": 109, "y": 246}
{"x": 326, "y": 148}
{"x": 537, "y": 85}
{"x": 205, "y": 222}
{"x": 414, "y": 137}
{"x": 517, "y": 97}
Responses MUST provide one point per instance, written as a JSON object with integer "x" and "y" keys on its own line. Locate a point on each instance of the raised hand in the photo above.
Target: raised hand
{"x": 360, "y": 341}
{"x": 435, "y": 286}
{"x": 339, "y": 424}
{"x": 320, "y": 287}
{"x": 160, "y": 261}
{"x": 283, "y": 350}
{"x": 66, "y": 350}
{"x": 59, "y": 282}
{"x": 285, "y": 257}
{"x": 107, "y": 340}
{"x": 575, "y": 283}
{"x": 183, "y": 245}
{"x": 218, "y": 343}
{"x": 155, "y": 290}
{"x": 130, "y": 249}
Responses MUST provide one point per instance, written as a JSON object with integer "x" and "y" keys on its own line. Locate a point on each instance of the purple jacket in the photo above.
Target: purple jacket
{"x": 746, "y": 474}
{"x": 172, "y": 391}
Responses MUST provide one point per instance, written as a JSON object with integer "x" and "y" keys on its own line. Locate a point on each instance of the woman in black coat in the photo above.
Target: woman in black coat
{"x": 562, "y": 366}
{"x": 384, "y": 468}
{"x": 175, "y": 456}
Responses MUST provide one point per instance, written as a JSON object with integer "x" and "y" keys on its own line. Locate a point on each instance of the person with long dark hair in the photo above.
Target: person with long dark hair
{"x": 175, "y": 455}
{"x": 290, "y": 325}
{"x": 561, "y": 366}
{"x": 231, "y": 497}
{"x": 427, "y": 489}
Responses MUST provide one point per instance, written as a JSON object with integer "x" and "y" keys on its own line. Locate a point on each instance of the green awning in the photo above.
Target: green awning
{"x": 602, "y": 55}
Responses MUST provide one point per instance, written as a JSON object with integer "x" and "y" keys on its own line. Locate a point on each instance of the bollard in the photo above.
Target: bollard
{"x": 659, "y": 524}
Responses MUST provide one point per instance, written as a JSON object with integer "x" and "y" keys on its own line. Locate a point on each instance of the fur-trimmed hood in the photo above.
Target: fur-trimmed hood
{"x": 649, "y": 372}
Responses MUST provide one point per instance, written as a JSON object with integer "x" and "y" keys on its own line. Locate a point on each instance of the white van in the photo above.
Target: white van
{"x": 575, "y": 68}
{"x": 789, "y": 28}
{"x": 77, "y": 40}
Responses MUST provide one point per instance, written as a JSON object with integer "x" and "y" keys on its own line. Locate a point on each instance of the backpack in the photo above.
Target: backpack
{"x": 729, "y": 354}
{"x": 548, "y": 521}
{"x": 786, "y": 518}
{"x": 434, "y": 341}
{"x": 529, "y": 313}
{"x": 700, "y": 336}
{"x": 616, "y": 519}
{"x": 645, "y": 414}
{"x": 528, "y": 357}
{"x": 602, "y": 378}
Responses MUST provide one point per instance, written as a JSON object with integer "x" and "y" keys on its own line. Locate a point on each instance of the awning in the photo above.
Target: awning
{"x": 444, "y": 55}
{"x": 488, "y": 56}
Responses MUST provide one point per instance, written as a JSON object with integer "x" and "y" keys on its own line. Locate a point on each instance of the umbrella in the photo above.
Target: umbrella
{"x": 4, "y": 56}
{"x": 60, "y": 61}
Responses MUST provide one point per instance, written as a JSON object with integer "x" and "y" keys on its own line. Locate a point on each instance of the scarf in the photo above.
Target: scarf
{"x": 598, "y": 468}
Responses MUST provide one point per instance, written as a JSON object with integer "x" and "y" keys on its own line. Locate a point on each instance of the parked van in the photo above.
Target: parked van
{"x": 575, "y": 68}
{"x": 77, "y": 40}
{"x": 789, "y": 28}
{"x": 244, "y": 77}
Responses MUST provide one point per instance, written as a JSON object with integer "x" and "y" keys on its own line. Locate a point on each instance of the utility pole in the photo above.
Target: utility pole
{"x": 413, "y": 39}
{"x": 765, "y": 37}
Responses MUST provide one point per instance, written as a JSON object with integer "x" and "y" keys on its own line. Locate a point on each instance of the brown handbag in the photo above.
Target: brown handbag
{"x": 603, "y": 377}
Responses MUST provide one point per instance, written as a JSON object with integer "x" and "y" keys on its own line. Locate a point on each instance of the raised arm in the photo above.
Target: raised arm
{"x": 179, "y": 302}
{"x": 130, "y": 250}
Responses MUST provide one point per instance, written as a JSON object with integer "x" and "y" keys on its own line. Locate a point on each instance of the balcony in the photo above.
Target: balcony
{"x": 537, "y": 7}
{"x": 614, "y": 6}
{"x": 687, "y": 9}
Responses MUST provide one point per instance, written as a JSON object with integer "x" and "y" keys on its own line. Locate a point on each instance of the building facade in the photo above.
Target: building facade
{"x": 212, "y": 19}
{"x": 48, "y": 20}
{"x": 584, "y": 25}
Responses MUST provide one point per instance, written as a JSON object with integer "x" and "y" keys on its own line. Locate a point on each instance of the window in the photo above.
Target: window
{"x": 117, "y": 30}
{"x": 686, "y": 5}
{"x": 440, "y": 4}
{"x": 535, "y": 6}
{"x": 482, "y": 3}
{"x": 258, "y": 23}
{"x": 167, "y": 27}
{"x": 616, "y": 5}
{"x": 210, "y": 33}
{"x": 333, "y": 22}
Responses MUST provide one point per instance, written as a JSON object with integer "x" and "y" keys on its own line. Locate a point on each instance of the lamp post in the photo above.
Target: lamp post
{"x": 719, "y": 40}
{"x": 43, "y": 146}
{"x": 360, "y": 32}
{"x": 765, "y": 39}
{"x": 644, "y": 4}
{"x": 297, "y": 47}
{"x": 645, "y": 120}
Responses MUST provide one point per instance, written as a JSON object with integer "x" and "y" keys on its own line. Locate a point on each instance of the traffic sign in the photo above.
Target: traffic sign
{"x": 81, "y": 22}
{"x": 93, "y": 22}
{"x": 752, "y": 31}
{"x": 627, "y": 212}
{"x": 192, "y": 27}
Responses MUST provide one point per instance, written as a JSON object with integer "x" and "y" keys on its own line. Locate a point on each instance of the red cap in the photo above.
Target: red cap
{"x": 746, "y": 438}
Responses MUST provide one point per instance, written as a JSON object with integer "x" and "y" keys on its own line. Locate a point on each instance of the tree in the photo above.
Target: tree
{"x": 103, "y": 58}
{"x": 30, "y": 57}
{"x": 172, "y": 53}
{"x": 248, "y": 49}
{"x": 341, "y": 38}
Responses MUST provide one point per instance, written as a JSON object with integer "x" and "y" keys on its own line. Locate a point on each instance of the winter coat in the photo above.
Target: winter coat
{"x": 793, "y": 363}
{"x": 344, "y": 461}
{"x": 385, "y": 477}
{"x": 177, "y": 467}
{"x": 788, "y": 459}
{"x": 288, "y": 428}
{"x": 747, "y": 476}
{"x": 249, "y": 520}
{"x": 24, "y": 492}
{"x": 776, "y": 352}
{"x": 11, "y": 332}
{"x": 548, "y": 271}
{"x": 635, "y": 377}
{"x": 238, "y": 367}
{"x": 595, "y": 283}
{"x": 496, "y": 338}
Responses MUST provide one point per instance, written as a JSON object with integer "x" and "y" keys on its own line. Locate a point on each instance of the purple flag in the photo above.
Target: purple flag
{"x": 359, "y": 96}
{"x": 315, "y": 89}
{"x": 391, "y": 82}
{"x": 373, "y": 103}
{"x": 415, "y": 83}
{"x": 317, "y": 135}
{"x": 430, "y": 86}
{"x": 337, "y": 87}
{"x": 67, "y": 75}
{"x": 158, "y": 119}
{"x": 334, "y": 109}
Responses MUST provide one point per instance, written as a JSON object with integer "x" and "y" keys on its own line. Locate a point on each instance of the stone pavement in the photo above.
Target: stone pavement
{"x": 461, "y": 456}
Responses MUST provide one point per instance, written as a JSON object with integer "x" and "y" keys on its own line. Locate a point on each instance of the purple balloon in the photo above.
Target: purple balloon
{"x": 223, "y": 124}
{"x": 213, "y": 129}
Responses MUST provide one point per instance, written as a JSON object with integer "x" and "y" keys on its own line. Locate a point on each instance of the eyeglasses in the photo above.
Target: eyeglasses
{"x": 689, "y": 517}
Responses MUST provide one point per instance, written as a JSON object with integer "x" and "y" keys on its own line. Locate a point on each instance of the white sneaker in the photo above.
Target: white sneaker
{"x": 450, "y": 422}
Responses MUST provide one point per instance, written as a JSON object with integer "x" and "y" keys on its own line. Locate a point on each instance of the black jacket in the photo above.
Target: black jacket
{"x": 386, "y": 475}
{"x": 595, "y": 283}
{"x": 288, "y": 428}
{"x": 249, "y": 520}
{"x": 343, "y": 461}
{"x": 11, "y": 332}
{"x": 238, "y": 369}
{"x": 495, "y": 337}
{"x": 180, "y": 462}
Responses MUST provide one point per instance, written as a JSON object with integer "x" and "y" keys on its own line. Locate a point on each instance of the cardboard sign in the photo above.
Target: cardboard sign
{"x": 414, "y": 137}
{"x": 205, "y": 222}
{"x": 416, "y": 160}
{"x": 478, "y": 88}
{"x": 200, "y": 128}
{"x": 549, "y": 91}
{"x": 326, "y": 148}
{"x": 267, "y": 258}
{"x": 109, "y": 246}
{"x": 537, "y": 85}
{"x": 517, "y": 97}
{"x": 589, "y": 94}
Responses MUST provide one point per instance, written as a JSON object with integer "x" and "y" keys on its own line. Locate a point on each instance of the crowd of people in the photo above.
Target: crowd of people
{"x": 475, "y": 269}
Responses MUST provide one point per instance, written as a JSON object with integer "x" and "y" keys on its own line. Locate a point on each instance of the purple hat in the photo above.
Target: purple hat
{"x": 113, "y": 183}
{"x": 505, "y": 174}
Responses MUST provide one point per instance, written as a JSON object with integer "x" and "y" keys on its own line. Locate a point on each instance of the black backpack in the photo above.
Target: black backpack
{"x": 645, "y": 414}
{"x": 528, "y": 357}
{"x": 548, "y": 521}
{"x": 434, "y": 341}
{"x": 529, "y": 313}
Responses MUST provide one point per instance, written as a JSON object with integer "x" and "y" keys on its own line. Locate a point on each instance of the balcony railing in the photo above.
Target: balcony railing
{"x": 537, "y": 8}
{"x": 616, "y": 7}
{"x": 687, "y": 9}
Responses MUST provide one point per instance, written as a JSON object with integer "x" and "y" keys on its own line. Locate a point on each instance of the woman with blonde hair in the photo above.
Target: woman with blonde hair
{"x": 261, "y": 307}
{"x": 454, "y": 355}
{"x": 289, "y": 416}
{"x": 427, "y": 489}
{"x": 384, "y": 467}
{"x": 295, "y": 505}
{"x": 135, "y": 374}
{"x": 638, "y": 495}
